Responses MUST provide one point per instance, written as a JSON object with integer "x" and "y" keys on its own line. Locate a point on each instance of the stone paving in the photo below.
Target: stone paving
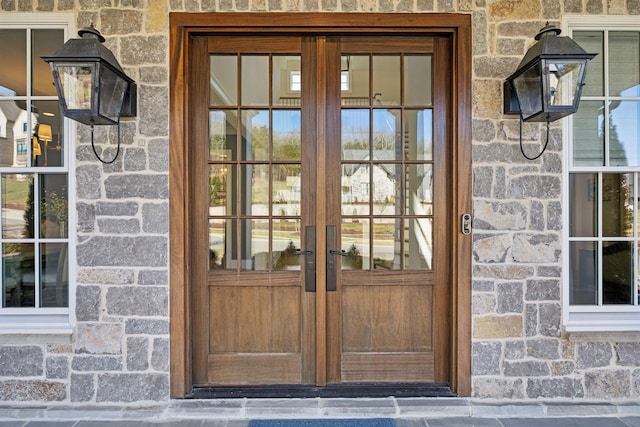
{"x": 407, "y": 412}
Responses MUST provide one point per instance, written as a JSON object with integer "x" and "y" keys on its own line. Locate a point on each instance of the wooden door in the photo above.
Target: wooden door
{"x": 320, "y": 204}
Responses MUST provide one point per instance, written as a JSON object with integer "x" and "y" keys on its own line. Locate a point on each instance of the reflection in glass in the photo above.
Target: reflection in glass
{"x": 18, "y": 275}
{"x": 223, "y": 135}
{"x": 419, "y": 189}
{"x": 588, "y": 134}
{"x": 355, "y": 80}
{"x": 418, "y": 249}
{"x": 54, "y": 212}
{"x": 223, "y": 84}
{"x": 54, "y": 276}
{"x": 255, "y": 244}
{"x": 218, "y": 243}
{"x": 255, "y": 135}
{"x": 584, "y": 272}
{"x": 286, "y": 190}
{"x": 386, "y": 244}
{"x": 418, "y": 134}
{"x": 355, "y": 189}
{"x": 13, "y": 78}
{"x": 286, "y": 135}
{"x": 583, "y": 206}
{"x": 15, "y": 134}
{"x": 386, "y": 80}
{"x": 617, "y": 272}
{"x": 617, "y": 202}
{"x": 528, "y": 88}
{"x": 255, "y": 80}
{"x": 48, "y": 121}
{"x": 387, "y": 135}
{"x": 286, "y": 80}
{"x": 44, "y": 42}
{"x": 624, "y": 133}
{"x": 285, "y": 242}
{"x": 592, "y": 42}
{"x": 355, "y": 238}
{"x": 77, "y": 84}
{"x": 385, "y": 188}
{"x": 563, "y": 78}
{"x": 221, "y": 184}
{"x": 417, "y": 80}
{"x": 355, "y": 134}
{"x": 17, "y": 206}
{"x": 624, "y": 57}
{"x": 254, "y": 184}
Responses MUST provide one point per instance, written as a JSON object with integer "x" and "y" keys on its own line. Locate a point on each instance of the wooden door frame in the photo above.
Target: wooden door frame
{"x": 185, "y": 26}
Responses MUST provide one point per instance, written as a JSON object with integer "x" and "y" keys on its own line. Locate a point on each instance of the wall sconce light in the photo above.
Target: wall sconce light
{"x": 92, "y": 87}
{"x": 548, "y": 82}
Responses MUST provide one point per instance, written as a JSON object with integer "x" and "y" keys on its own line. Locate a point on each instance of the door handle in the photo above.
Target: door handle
{"x": 332, "y": 268}
{"x": 309, "y": 259}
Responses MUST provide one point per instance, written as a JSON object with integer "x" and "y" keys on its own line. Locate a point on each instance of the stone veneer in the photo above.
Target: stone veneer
{"x": 120, "y": 349}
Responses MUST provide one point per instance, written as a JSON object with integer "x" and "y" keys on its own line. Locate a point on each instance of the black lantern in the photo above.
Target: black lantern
{"x": 92, "y": 87}
{"x": 548, "y": 82}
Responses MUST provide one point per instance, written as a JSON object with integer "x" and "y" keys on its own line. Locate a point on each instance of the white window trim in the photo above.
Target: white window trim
{"x": 578, "y": 319}
{"x": 47, "y": 323}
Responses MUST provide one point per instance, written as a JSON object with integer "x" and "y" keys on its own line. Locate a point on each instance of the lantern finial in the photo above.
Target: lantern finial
{"x": 91, "y": 32}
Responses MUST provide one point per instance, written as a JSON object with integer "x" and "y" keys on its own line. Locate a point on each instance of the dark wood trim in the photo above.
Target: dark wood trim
{"x": 184, "y": 26}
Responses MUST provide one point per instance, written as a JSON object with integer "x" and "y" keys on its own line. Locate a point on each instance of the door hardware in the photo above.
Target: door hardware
{"x": 332, "y": 265}
{"x": 309, "y": 259}
{"x": 466, "y": 224}
{"x": 301, "y": 252}
{"x": 341, "y": 253}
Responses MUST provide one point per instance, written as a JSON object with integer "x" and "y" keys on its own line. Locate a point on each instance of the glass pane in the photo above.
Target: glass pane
{"x": 355, "y": 80}
{"x": 18, "y": 275}
{"x": 617, "y": 202}
{"x": 17, "y": 206}
{"x": 13, "y": 51}
{"x": 387, "y": 198}
{"x": 287, "y": 80}
{"x": 44, "y": 43}
{"x": 418, "y": 134}
{"x": 624, "y": 133}
{"x": 417, "y": 80}
{"x": 387, "y": 135}
{"x": 583, "y": 273}
{"x": 354, "y": 235}
{"x": 617, "y": 272}
{"x": 592, "y": 42}
{"x": 218, "y": 233}
{"x": 54, "y": 275}
{"x": 54, "y": 212}
{"x": 286, "y": 241}
{"x": 48, "y": 131}
{"x": 223, "y": 84}
{"x": 286, "y": 190}
{"x": 221, "y": 185}
{"x": 386, "y": 244}
{"x": 255, "y": 80}
{"x": 286, "y": 135}
{"x": 112, "y": 90}
{"x": 355, "y": 134}
{"x": 588, "y": 134}
{"x": 563, "y": 82}
{"x": 223, "y": 135}
{"x": 418, "y": 248}
{"x": 255, "y": 244}
{"x": 255, "y": 135}
{"x": 15, "y": 134}
{"x": 254, "y": 189}
{"x": 529, "y": 91}
{"x": 386, "y": 80}
{"x": 624, "y": 63}
{"x": 77, "y": 85}
{"x": 419, "y": 189}
{"x": 355, "y": 189}
{"x": 582, "y": 205}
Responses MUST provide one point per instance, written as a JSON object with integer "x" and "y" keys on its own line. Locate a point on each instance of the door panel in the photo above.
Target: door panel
{"x": 325, "y": 199}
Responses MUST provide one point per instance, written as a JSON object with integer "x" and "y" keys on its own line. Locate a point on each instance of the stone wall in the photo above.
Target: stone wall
{"x": 120, "y": 349}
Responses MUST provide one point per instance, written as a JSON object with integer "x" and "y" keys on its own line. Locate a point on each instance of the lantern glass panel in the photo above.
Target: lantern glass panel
{"x": 528, "y": 87}
{"x": 76, "y": 82}
{"x": 564, "y": 78}
{"x": 112, "y": 90}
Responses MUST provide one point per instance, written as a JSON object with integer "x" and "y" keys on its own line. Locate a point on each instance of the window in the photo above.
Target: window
{"x": 34, "y": 179}
{"x": 602, "y": 241}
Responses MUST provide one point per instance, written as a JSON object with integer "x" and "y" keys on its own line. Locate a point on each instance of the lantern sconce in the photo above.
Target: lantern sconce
{"x": 91, "y": 85}
{"x": 547, "y": 84}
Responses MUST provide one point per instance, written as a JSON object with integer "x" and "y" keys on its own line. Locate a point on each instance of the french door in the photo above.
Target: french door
{"x": 320, "y": 202}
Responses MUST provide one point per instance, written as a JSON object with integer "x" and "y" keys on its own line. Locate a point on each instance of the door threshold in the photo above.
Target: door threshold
{"x": 329, "y": 391}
